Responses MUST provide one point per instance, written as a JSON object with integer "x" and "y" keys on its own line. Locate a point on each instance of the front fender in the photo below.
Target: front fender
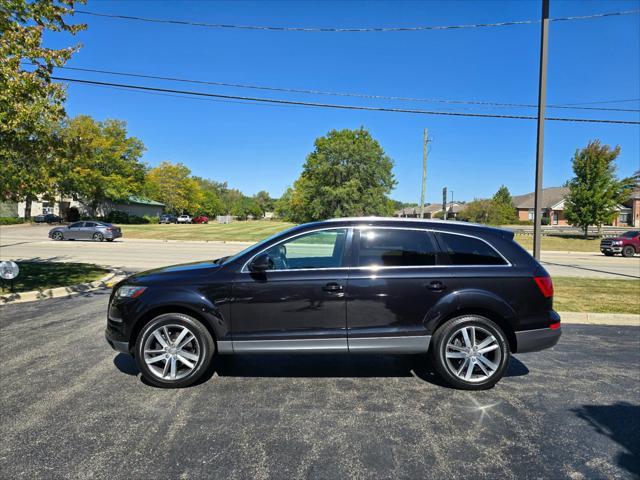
{"x": 468, "y": 300}
{"x": 211, "y": 307}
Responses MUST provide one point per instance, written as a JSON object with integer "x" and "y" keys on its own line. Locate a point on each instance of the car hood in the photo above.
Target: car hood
{"x": 181, "y": 272}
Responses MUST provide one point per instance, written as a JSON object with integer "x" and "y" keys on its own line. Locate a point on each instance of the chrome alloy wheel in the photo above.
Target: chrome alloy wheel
{"x": 473, "y": 354}
{"x": 171, "y": 352}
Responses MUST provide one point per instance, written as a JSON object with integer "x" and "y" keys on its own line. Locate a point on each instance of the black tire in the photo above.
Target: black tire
{"x": 628, "y": 251}
{"x": 450, "y": 331}
{"x": 98, "y": 237}
{"x": 57, "y": 236}
{"x": 109, "y": 239}
{"x": 608, "y": 254}
{"x": 204, "y": 340}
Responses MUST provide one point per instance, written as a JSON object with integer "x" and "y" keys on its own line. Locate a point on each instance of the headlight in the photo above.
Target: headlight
{"x": 616, "y": 242}
{"x": 127, "y": 291}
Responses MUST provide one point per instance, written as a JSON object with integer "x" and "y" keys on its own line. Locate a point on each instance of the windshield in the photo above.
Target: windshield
{"x": 629, "y": 234}
{"x": 225, "y": 260}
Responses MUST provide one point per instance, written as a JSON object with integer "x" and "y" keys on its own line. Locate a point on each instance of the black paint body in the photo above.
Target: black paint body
{"x": 348, "y": 302}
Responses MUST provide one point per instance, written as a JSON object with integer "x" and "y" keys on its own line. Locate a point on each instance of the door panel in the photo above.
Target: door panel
{"x": 395, "y": 283}
{"x": 74, "y": 231}
{"x": 299, "y": 305}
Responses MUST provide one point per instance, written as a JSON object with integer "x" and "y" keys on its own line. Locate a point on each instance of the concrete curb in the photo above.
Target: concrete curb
{"x": 107, "y": 281}
{"x": 589, "y": 318}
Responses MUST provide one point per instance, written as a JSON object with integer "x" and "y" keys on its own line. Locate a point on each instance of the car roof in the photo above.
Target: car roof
{"x": 435, "y": 224}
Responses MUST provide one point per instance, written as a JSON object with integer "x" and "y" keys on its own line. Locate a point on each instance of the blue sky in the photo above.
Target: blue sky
{"x": 257, "y": 147}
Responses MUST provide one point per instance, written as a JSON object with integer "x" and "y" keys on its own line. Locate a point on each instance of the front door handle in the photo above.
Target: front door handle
{"x": 332, "y": 287}
{"x": 436, "y": 285}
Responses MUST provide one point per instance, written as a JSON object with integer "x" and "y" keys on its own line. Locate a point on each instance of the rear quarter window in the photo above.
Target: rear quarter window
{"x": 464, "y": 250}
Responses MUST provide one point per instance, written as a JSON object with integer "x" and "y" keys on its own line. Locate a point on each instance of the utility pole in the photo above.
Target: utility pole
{"x": 444, "y": 203}
{"x": 424, "y": 171}
{"x": 542, "y": 102}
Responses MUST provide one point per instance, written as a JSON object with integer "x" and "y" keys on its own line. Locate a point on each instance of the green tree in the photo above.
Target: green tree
{"x": 595, "y": 190}
{"x": 172, "y": 184}
{"x": 264, "y": 201}
{"x": 211, "y": 203}
{"x": 30, "y": 105}
{"x": 502, "y": 212}
{"x": 477, "y": 211}
{"x": 100, "y": 161}
{"x": 348, "y": 174}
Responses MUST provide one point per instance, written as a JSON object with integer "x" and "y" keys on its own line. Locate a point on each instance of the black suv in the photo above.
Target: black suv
{"x": 467, "y": 295}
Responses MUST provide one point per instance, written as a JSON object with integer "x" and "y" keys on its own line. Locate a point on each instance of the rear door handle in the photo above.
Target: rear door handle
{"x": 332, "y": 287}
{"x": 436, "y": 286}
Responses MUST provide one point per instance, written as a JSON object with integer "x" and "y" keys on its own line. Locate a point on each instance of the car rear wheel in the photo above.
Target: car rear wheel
{"x": 470, "y": 352}
{"x": 628, "y": 251}
{"x": 98, "y": 237}
{"x": 174, "y": 350}
{"x": 57, "y": 236}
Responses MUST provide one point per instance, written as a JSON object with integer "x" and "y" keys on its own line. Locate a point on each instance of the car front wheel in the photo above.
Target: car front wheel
{"x": 628, "y": 251}
{"x": 470, "y": 352}
{"x": 174, "y": 350}
{"x": 57, "y": 236}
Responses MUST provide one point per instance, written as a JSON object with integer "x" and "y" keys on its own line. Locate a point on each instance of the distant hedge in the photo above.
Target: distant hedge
{"x": 126, "y": 219}
{"x": 11, "y": 220}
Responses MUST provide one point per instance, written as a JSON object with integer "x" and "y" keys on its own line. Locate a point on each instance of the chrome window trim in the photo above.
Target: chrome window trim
{"x": 507, "y": 264}
{"x": 244, "y": 268}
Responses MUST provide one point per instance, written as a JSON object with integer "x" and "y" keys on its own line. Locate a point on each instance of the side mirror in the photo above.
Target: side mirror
{"x": 261, "y": 263}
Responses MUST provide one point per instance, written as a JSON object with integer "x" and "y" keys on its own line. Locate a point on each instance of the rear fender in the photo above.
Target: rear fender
{"x": 468, "y": 301}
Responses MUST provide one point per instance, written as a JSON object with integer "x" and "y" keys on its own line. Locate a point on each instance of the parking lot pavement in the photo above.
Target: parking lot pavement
{"x": 31, "y": 242}
{"x": 73, "y": 408}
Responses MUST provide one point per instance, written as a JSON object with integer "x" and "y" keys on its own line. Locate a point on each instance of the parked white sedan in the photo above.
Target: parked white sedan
{"x": 184, "y": 219}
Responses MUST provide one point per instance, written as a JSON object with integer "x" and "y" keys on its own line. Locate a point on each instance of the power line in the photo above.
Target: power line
{"x": 343, "y": 94}
{"x": 353, "y": 30}
{"x": 338, "y": 106}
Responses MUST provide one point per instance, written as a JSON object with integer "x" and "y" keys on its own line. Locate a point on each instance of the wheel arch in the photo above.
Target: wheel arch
{"x": 474, "y": 302}
{"x": 154, "y": 312}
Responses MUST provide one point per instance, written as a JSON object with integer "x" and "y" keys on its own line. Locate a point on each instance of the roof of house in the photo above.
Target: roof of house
{"x": 144, "y": 201}
{"x": 550, "y": 197}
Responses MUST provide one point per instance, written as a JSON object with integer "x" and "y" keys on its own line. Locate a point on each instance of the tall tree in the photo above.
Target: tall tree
{"x": 502, "y": 212}
{"x": 30, "y": 105}
{"x": 264, "y": 201}
{"x": 102, "y": 161}
{"x": 172, "y": 184}
{"x": 595, "y": 190}
{"x": 211, "y": 203}
{"x": 348, "y": 174}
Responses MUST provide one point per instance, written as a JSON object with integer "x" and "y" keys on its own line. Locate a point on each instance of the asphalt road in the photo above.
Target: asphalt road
{"x": 31, "y": 243}
{"x": 73, "y": 408}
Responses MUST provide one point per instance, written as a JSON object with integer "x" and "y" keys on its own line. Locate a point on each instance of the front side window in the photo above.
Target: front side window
{"x": 463, "y": 250}
{"x": 321, "y": 249}
{"x": 76, "y": 225}
{"x": 395, "y": 248}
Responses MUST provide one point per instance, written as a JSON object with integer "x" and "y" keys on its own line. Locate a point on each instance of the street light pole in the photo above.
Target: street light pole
{"x": 542, "y": 101}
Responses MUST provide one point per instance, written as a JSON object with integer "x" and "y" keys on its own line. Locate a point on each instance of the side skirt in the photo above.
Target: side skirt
{"x": 401, "y": 345}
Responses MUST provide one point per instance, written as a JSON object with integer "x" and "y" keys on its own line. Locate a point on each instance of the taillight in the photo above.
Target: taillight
{"x": 554, "y": 326}
{"x": 545, "y": 285}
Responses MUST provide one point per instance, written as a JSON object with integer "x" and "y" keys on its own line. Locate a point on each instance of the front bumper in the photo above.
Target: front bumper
{"x": 117, "y": 345}
{"x": 611, "y": 249}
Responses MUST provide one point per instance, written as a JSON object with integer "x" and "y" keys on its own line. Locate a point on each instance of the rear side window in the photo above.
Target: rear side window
{"x": 90, "y": 224}
{"x": 395, "y": 248}
{"x": 463, "y": 250}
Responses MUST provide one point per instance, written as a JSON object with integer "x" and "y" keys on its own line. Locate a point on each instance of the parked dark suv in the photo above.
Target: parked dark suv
{"x": 467, "y": 295}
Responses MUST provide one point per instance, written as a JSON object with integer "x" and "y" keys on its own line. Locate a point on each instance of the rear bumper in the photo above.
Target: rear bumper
{"x": 536, "y": 340}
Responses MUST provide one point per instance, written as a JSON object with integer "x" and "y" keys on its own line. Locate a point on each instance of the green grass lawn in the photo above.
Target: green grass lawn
{"x": 45, "y": 275}
{"x": 564, "y": 244}
{"x": 574, "y": 294}
{"x": 249, "y": 231}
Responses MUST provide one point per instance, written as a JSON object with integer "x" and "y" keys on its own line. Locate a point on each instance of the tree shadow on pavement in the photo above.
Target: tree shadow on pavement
{"x": 619, "y": 422}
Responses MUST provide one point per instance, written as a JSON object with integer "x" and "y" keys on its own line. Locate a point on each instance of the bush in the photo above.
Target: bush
{"x": 11, "y": 220}
{"x": 117, "y": 216}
